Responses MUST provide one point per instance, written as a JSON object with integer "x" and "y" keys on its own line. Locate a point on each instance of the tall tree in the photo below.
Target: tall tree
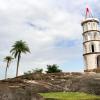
{"x": 18, "y": 48}
{"x": 8, "y": 59}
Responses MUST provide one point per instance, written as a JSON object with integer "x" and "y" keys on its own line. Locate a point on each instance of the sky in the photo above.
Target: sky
{"x": 51, "y": 28}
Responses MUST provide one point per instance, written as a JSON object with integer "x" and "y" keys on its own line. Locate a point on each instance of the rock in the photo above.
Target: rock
{"x": 17, "y": 93}
{"x": 74, "y": 82}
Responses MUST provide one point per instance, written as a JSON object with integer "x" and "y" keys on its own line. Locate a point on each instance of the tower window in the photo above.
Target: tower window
{"x": 92, "y": 48}
{"x": 98, "y": 61}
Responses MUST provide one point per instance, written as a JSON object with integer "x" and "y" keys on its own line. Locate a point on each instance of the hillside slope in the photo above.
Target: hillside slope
{"x": 89, "y": 83}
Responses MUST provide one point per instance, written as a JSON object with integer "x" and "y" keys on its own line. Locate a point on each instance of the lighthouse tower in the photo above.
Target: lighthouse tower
{"x": 91, "y": 43}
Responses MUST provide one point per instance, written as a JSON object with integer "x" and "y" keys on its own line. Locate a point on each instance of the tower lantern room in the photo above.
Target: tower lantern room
{"x": 91, "y": 43}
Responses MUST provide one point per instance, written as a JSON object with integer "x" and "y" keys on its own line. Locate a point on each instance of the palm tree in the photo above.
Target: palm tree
{"x": 8, "y": 59}
{"x": 17, "y": 49}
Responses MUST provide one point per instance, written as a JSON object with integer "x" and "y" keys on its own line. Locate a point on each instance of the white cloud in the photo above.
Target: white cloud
{"x": 41, "y": 23}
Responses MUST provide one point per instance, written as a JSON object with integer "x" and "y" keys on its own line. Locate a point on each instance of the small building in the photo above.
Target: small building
{"x": 91, "y": 43}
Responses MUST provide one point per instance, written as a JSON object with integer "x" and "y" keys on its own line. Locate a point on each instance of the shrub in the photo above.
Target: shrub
{"x": 53, "y": 69}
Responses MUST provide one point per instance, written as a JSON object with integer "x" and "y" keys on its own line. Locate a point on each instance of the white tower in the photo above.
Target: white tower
{"x": 91, "y": 43}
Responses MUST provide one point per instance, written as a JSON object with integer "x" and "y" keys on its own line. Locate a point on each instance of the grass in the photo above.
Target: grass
{"x": 69, "y": 96}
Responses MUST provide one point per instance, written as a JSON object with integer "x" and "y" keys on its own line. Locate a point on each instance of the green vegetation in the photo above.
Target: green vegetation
{"x": 50, "y": 69}
{"x": 53, "y": 69}
{"x": 37, "y": 70}
{"x": 17, "y": 49}
{"x": 8, "y": 60}
{"x": 69, "y": 96}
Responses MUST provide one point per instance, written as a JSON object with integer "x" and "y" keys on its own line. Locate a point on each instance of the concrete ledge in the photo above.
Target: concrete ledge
{"x": 93, "y": 70}
{"x": 90, "y": 41}
{"x": 91, "y": 53}
{"x": 90, "y": 31}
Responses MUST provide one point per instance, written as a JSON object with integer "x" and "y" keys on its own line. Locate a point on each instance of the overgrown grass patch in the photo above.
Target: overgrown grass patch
{"x": 69, "y": 96}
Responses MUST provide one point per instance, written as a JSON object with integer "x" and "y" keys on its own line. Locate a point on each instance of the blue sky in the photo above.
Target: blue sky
{"x": 51, "y": 28}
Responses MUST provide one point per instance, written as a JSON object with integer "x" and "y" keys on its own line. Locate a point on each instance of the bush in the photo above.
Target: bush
{"x": 37, "y": 70}
{"x": 53, "y": 69}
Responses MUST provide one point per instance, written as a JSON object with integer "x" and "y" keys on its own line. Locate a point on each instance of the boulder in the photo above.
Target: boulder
{"x": 17, "y": 93}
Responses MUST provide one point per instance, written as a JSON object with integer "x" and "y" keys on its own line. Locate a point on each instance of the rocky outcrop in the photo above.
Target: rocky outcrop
{"x": 17, "y": 93}
{"x": 36, "y": 83}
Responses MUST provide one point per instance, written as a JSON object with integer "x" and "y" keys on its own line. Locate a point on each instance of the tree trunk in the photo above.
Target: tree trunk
{"x": 6, "y": 69}
{"x": 19, "y": 56}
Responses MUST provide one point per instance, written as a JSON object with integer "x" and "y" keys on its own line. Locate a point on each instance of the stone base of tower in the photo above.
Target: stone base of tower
{"x": 93, "y": 70}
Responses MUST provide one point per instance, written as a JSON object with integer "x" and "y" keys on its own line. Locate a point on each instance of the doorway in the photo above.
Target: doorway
{"x": 98, "y": 61}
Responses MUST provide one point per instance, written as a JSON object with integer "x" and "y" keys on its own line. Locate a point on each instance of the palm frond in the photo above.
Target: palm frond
{"x": 19, "y": 46}
{"x": 8, "y": 58}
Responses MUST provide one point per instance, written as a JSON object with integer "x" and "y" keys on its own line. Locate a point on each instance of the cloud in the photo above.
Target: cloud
{"x": 51, "y": 28}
